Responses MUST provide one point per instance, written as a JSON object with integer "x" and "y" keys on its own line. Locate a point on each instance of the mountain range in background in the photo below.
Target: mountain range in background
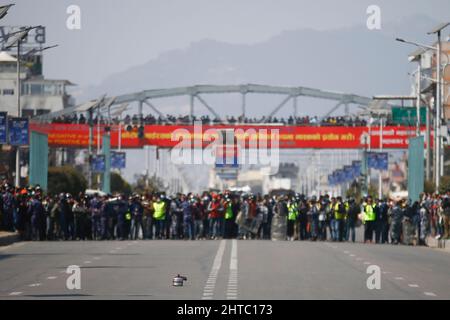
{"x": 352, "y": 60}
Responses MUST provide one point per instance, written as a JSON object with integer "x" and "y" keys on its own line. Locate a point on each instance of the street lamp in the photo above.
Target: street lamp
{"x": 439, "y": 93}
{"x": 4, "y": 10}
{"x": 438, "y": 121}
{"x": 34, "y": 51}
{"x": 19, "y": 37}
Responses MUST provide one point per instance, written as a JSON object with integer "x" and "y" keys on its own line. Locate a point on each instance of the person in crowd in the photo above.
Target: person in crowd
{"x": 369, "y": 219}
{"x": 215, "y": 215}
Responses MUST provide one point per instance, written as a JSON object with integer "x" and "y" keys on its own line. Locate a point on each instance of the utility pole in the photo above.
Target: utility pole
{"x": 18, "y": 113}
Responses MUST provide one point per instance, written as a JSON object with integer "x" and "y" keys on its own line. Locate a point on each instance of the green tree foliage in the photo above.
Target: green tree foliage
{"x": 429, "y": 187}
{"x": 146, "y": 184}
{"x": 65, "y": 179}
{"x": 119, "y": 184}
{"x": 444, "y": 184}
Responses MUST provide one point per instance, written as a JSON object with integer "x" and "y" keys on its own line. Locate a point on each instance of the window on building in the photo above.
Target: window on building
{"x": 27, "y": 112}
{"x": 40, "y": 112}
{"x": 36, "y": 89}
{"x": 49, "y": 89}
{"x": 8, "y": 92}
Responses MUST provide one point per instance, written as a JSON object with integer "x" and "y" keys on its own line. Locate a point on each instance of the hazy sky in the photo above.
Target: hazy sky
{"x": 118, "y": 34}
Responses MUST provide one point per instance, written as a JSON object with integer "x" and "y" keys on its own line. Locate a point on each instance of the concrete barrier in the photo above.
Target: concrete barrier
{"x": 278, "y": 229}
{"x": 443, "y": 244}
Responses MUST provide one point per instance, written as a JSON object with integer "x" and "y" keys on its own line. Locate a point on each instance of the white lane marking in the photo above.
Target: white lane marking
{"x": 97, "y": 258}
{"x": 386, "y": 272}
{"x": 431, "y": 294}
{"x": 51, "y": 278}
{"x": 413, "y": 285}
{"x": 399, "y": 278}
{"x": 35, "y": 284}
{"x": 215, "y": 270}
{"x": 87, "y": 262}
{"x": 352, "y": 255}
{"x": 16, "y": 293}
{"x": 366, "y": 262}
{"x": 233, "y": 276}
{"x": 119, "y": 248}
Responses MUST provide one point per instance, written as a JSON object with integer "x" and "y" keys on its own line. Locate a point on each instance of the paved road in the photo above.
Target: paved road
{"x": 226, "y": 269}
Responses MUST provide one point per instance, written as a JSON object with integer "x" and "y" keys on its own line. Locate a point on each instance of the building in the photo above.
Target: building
{"x": 38, "y": 95}
{"x": 427, "y": 59}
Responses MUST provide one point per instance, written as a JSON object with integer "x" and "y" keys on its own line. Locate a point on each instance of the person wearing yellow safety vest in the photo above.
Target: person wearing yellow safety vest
{"x": 291, "y": 218}
{"x": 230, "y": 209}
{"x": 339, "y": 219}
{"x": 159, "y": 216}
{"x": 369, "y": 218}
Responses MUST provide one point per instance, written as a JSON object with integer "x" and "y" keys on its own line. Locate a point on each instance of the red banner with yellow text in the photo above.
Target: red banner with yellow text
{"x": 168, "y": 136}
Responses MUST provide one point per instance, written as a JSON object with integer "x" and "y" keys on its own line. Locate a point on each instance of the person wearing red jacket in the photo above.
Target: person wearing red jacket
{"x": 215, "y": 211}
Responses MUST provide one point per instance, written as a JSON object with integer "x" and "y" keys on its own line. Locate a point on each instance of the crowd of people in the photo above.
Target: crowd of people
{"x": 37, "y": 216}
{"x": 206, "y": 120}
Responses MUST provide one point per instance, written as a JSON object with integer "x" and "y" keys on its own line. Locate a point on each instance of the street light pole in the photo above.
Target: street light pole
{"x": 438, "y": 114}
{"x": 380, "y": 180}
{"x": 419, "y": 73}
{"x": 18, "y": 89}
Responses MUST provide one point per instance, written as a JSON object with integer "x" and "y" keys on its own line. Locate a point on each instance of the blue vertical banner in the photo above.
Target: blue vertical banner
{"x": 372, "y": 160}
{"x": 348, "y": 173}
{"x": 356, "y": 165}
{"x": 378, "y": 160}
{"x": 118, "y": 160}
{"x": 330, "y": 180}
{"x": 98, "y": 163}
{"x": 382, "y": 161}
{"x": 3, "y": 124}
{"x": 18, "y": 131}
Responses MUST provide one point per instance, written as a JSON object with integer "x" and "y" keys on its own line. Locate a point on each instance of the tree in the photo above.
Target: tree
{"x": 444, "y": 184}
{"x": 146, "y": 184}
{"x": 119, "y": 184}
{"x": 65, "y": 179}
{"x": 429, "y": 187}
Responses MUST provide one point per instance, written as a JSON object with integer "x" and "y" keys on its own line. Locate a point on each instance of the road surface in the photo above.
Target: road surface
{"x": 226, "y": 269}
